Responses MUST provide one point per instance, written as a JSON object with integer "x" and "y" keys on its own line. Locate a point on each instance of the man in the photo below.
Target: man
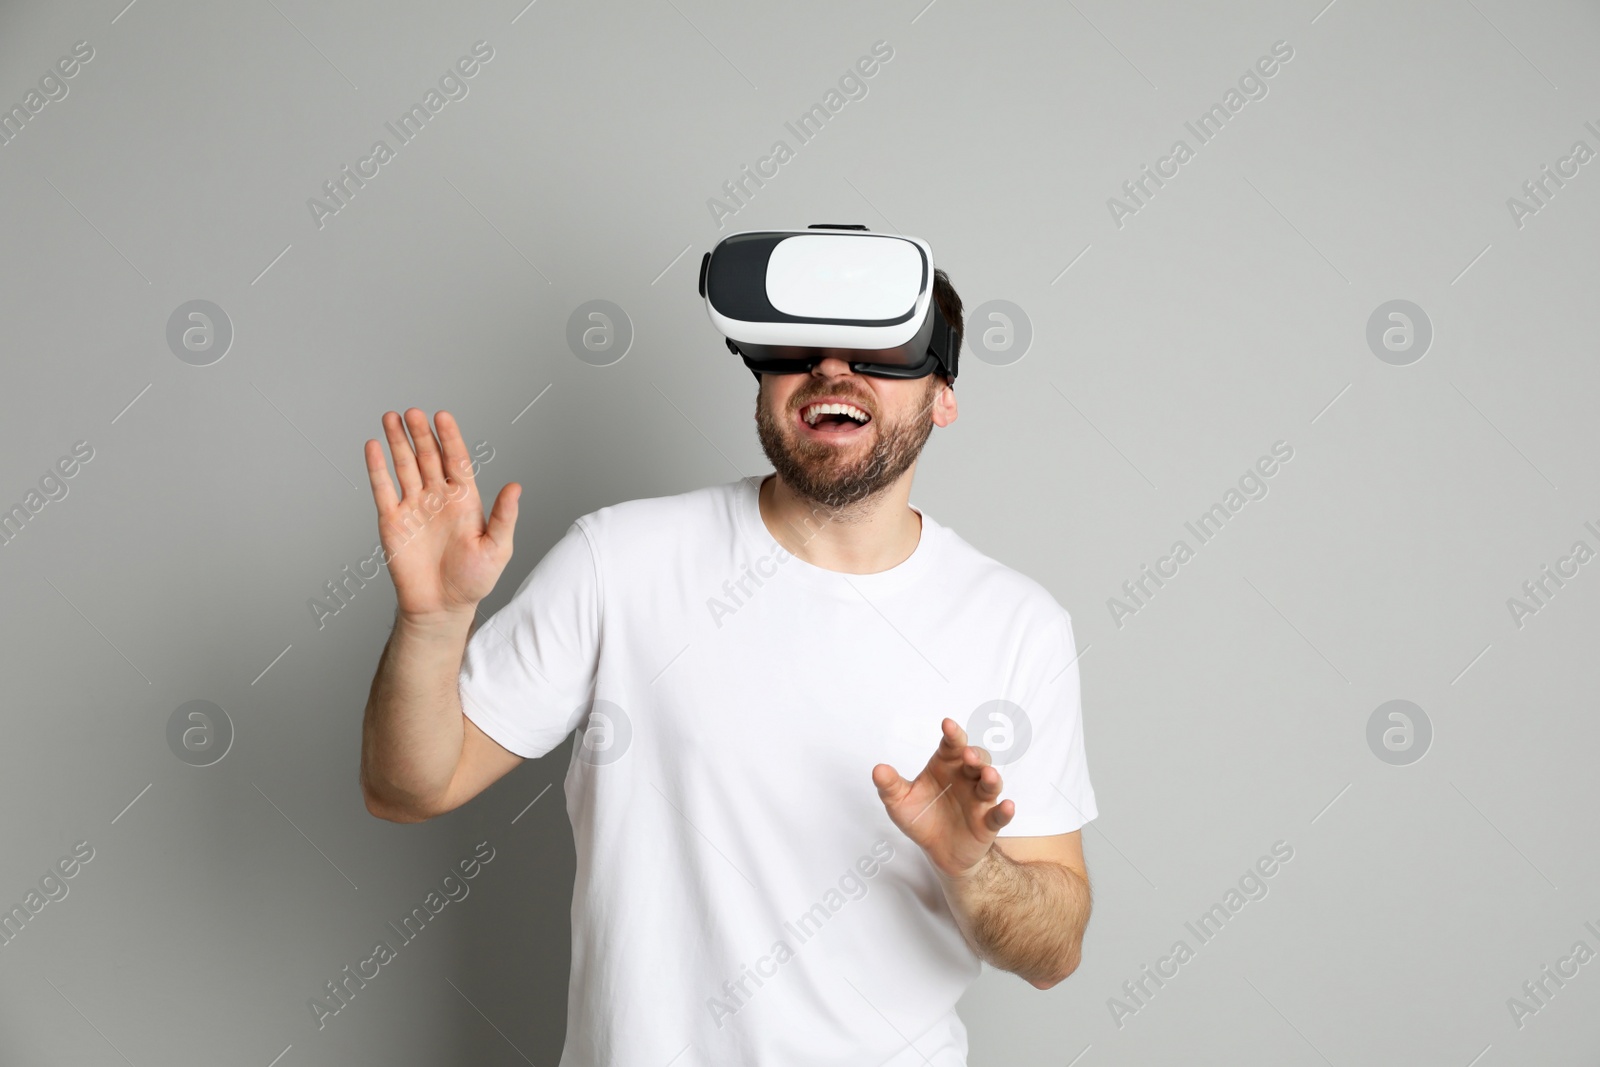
{"x": 749, "y": 663}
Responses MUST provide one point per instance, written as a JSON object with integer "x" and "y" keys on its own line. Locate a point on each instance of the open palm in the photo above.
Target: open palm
{"x": 442, "y": 556}
{"x": 950, "y": 809}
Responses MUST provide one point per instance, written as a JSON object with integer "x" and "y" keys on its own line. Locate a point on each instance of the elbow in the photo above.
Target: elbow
{"x": 1061, "y": 974}
{"x": 390, "y": 811}
{"x": 1047, "y": 983}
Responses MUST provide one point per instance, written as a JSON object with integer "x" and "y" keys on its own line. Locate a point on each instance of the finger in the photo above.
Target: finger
{"x": 503, "y": 519}
{"x": 405, "y": 460}
{"x": 981, "y": 783}
{"x": 1000, "y": 815}
{"x": 974, "y": 760}
{"x": 953, "y": 741}
{"x": 989, "y": 784}
{"x": 427, "y": 448}
{"x": 457, "y": 464}
{"x": 383, "y": 494}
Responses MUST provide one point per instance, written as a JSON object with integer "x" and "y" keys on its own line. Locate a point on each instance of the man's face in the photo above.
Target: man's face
{"x": 838, "y": 458}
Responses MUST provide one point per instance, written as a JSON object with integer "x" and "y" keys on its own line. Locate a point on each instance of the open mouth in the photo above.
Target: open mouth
{"x": 833, "y": 418}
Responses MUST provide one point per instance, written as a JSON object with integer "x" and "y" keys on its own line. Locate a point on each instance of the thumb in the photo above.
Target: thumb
{"x": 503, "y": 519}
{"x": 891, "y": 787}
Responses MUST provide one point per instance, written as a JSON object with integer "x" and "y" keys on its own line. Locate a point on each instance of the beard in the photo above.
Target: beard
{"x": 837, "y": 478}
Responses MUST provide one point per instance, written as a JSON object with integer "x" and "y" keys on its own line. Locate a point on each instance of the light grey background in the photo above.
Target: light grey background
{"x": 1229, "y": 313}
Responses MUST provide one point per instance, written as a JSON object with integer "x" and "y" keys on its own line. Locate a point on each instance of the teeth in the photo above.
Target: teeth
{"x": 816, "y": 411}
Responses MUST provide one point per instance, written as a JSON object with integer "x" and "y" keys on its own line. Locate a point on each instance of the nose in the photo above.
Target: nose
{"x": 830, "y": 367}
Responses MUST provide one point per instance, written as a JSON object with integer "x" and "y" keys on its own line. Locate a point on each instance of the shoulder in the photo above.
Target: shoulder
{"x": 707, "y": 503}
{"x": 1005, "y": 611}
{"x": 980, "y": 579}
{"x": 650, "y": 525}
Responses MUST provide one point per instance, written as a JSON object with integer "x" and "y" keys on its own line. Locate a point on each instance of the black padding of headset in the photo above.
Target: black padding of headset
{"x": 943, "y": 351}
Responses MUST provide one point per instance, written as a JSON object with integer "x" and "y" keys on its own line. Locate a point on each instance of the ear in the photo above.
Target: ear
{"x": 944, "y": 404}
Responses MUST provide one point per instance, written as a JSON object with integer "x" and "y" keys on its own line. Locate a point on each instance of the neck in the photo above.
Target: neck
{"x": 871, "y": 535}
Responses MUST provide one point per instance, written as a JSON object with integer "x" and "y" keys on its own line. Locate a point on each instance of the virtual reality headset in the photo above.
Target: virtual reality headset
{"x": 786, "y": 299}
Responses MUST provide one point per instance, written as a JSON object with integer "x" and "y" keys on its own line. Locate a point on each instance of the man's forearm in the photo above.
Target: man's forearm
{"x": 412, "y": 732}
{"x": 1027, "y": 918}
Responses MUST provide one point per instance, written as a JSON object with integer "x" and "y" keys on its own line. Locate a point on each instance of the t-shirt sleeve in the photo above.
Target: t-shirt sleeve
{"x": 1048, "y": 779}
{"x": 529, "y": 669}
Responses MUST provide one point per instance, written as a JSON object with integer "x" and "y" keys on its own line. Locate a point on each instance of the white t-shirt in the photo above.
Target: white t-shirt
{"x": 742, "y": 897}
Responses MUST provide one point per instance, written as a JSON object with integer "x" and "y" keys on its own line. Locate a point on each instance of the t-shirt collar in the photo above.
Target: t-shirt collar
{"x": 760, "y": 539}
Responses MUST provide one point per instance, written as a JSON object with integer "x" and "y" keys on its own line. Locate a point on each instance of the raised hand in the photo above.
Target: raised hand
{"x": 950, "y": 810}
{"x": 442, "y": 556}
